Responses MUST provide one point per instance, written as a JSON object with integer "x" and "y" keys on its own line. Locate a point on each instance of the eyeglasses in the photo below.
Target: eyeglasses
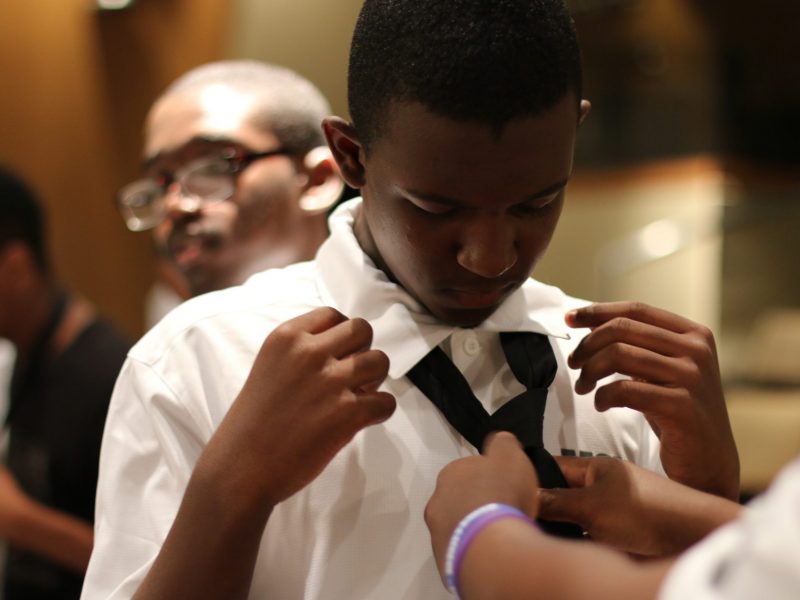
{"x": 142, "y": 204}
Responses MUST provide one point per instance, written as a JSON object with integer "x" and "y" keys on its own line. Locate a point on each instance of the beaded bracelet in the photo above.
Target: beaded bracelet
{"x": 466, "y": 531}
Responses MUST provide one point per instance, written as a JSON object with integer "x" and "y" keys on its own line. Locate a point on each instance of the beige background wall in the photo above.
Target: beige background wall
{"x": 649, "y": 233}
{"x": 310, "y": 36}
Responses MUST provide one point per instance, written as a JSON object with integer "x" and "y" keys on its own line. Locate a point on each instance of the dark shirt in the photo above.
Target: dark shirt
{"x": 56, "y": 428}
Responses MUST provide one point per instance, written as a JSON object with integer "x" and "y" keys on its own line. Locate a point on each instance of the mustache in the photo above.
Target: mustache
{"x": 193, "y": 233}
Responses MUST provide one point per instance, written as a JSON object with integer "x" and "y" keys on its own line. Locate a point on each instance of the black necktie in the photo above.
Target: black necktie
{"x": 533, "y": 363}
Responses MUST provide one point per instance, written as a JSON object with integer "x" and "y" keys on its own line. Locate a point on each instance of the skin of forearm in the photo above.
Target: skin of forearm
{"x": 211, "y": 549}
{"x": 511, "y": 560}
{"x": 695, "y": 515}
{"x": 54, "y": 535}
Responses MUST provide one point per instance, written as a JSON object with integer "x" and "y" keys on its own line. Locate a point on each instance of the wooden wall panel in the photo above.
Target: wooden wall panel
{"x": 76, "y": 85}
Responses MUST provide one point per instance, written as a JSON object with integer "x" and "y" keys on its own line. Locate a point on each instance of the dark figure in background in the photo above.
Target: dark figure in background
{"x": 67, "y": 362}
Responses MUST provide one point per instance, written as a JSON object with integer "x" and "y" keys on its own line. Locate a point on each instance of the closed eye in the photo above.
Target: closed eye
{"x": 535, "y": 207}
{"x": 432, "y": 208}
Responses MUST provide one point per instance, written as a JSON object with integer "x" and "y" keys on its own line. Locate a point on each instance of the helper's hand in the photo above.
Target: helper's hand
{"x": 632, "y": 509}
{"x": 675, "y": 382}
{"x": 312, "y": 387}
{"x": 503, "y": 473}
{"x": 14, "y": 503}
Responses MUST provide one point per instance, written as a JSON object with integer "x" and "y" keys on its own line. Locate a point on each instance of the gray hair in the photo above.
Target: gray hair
{"x": 289, "y": 105}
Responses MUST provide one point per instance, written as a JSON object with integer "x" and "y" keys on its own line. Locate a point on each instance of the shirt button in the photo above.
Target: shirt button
{"x": 472, "y": 346}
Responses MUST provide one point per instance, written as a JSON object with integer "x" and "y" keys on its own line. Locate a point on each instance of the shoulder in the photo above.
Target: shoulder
{"x": 227, "y": 316}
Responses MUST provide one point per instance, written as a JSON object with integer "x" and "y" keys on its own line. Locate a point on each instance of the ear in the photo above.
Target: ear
{"x": 17, "y": 264}
{"x": 346, "y": 149}
{"x": 324, "y": 185}
{"x": 586, "y": 106}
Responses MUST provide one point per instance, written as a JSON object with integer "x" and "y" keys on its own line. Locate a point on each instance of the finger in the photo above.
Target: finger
{"x": 364, "y": 371}
{"x": 503, "y": 449}
{"x": 655, "y": 401}
{"x": 371, "y": 408}
{"x": 595, "y": 315}
{"x": 563, "y": 504}
{"x": 316, "y": 321}
{"x": 575, "y": 469}
{"x": 501, "y": 444}
{"x": 347, "y": 337}
{"x": 633, "y": 333}
{"x": 634, "y": 362}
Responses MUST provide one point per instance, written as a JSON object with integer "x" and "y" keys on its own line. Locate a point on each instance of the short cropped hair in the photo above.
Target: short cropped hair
{"x": 487, "y": 61}
{"x": 21, "y": 216}
{"x": 289, "y": 105}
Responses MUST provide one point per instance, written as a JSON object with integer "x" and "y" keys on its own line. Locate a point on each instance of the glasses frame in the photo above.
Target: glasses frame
{"x": 236, "y": 158}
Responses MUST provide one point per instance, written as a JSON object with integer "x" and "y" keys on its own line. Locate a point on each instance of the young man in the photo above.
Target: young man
{"x": 237, "y": 175}
{"x": 620, "y": 505}
{"x": 235, "y": 465}
{"x": 67, "y": 360}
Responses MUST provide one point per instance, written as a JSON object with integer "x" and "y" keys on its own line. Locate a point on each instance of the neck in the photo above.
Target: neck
{"x": 367, "y": 242}
{"x": 34, "y": 312}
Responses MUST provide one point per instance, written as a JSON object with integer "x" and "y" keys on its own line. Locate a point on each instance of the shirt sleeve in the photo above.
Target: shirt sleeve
{"x": 150, "y": 447}
{"x": 757, "y": 556}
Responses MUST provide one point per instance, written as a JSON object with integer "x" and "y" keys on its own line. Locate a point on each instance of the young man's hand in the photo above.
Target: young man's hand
{"x": 312, "y": 387}
{"x": 503, "y": 473}
{"x": 632, "y": 509}
{"x": 675, "y": 382}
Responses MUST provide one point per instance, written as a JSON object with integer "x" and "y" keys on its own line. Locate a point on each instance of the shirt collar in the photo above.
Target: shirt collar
{"x": 402, "y": 328}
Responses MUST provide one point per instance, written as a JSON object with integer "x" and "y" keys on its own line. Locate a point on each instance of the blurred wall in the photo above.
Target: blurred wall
{"x": 650, "y": 233}
{"x": 309, "y": 36}
{"x": 76, "y": 87}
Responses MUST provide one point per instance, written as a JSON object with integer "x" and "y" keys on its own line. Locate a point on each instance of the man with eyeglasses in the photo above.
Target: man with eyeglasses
{"x": 237, "y": 175}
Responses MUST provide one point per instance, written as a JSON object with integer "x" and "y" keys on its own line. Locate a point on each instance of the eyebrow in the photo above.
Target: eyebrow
{"x": 198, "y": 139}
{"x": 437, "y": 199}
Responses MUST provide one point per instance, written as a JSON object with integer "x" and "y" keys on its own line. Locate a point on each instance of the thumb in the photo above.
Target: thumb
{"x": 563, "y": 504}
{"x": 501, "y": 443}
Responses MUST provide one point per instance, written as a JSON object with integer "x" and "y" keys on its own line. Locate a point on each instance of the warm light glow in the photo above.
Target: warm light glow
{"x": 660, "y": 238}
{"x": 113, "y": 4}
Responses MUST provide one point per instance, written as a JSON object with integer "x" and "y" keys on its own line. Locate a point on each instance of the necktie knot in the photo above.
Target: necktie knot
{"x": 532, "y": 361}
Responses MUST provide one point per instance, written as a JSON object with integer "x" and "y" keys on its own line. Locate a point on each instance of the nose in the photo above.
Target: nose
{"x": 178, "y": 204}
{"x": 488, "y": 246}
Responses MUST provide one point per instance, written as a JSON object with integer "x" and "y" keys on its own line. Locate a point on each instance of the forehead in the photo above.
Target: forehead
{"x": 213, "y": 112}
{"x": 470, "y": 160}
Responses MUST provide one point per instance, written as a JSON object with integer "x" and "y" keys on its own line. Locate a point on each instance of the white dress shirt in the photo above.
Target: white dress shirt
{"x": 755, "y": 557}
{"x": 357, "y": 531}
